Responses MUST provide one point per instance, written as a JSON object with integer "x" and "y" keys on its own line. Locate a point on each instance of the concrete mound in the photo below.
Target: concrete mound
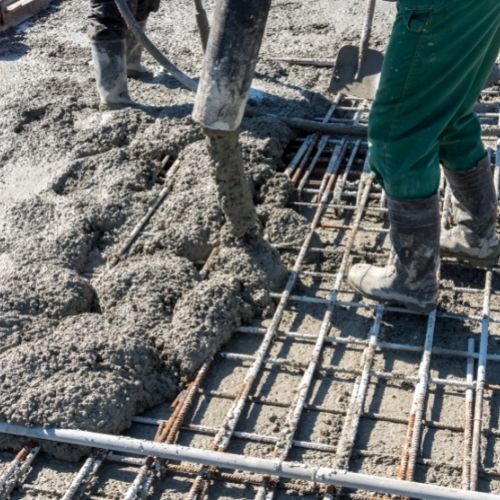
{"x": 88, "y": 374}
{"x": 43, "y": 229}
{"x": 146, "y": 286}
{"x": 258, "y": 268}
{"x": 44, "y": 289}
{"x": 88, "y": 346}
{"x": 204, "y": 319}
{"x": 190, "y": 219}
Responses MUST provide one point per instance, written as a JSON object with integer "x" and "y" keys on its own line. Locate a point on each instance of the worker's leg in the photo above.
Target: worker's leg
{"x": 107, "y": 33}
{"x": 430, "y": 64}
{"x": 106, "y": 23}
{"x": 135, "y": 68}
{"x": 470, "y": 230}
{"x": 419, "y": 95}
{"x": 460, "y": 145}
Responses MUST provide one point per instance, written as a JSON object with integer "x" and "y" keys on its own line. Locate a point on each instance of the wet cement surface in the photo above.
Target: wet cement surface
{"x": 74, "y": 182}
{"x": 88, "y": 346}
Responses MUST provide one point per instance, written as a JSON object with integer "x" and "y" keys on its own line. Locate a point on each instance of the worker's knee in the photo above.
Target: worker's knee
{"x": 105, "y": 21}
{"x": 405, "y": 172}
{"x": 145, "y": 7}
{"x": 460, "y": 145}
{"x": 462, "y": 157}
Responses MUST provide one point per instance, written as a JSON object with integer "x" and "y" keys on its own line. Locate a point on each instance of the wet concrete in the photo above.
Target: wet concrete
{"x": 233, "y": 188}
{"x": 92, "y": 346}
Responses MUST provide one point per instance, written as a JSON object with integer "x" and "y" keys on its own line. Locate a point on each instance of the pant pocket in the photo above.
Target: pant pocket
{"x": 416, "y": 20}
{"x": 417, "y": 14}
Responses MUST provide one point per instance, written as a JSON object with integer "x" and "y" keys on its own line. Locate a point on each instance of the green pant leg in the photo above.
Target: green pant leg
{"x": 420, "y": 92}
{"x": 460, "y": 144}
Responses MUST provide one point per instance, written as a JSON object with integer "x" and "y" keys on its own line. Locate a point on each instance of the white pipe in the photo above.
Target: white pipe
{"x": 232, "y": 461}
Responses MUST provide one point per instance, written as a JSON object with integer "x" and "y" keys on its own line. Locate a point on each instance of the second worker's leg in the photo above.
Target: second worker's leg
{"x": 469, "y": 233}
{"x": 432, "y": 54}
{"x": 135, "y": 68}
{"x": 107, "y": 35}
{"x": 405, "y": 123}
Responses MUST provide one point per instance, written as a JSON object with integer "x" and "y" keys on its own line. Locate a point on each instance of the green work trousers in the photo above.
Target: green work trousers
{"x": 440, "y": 55}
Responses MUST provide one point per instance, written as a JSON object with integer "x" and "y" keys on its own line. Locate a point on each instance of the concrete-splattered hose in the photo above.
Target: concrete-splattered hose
{"x": 138, "y": 32}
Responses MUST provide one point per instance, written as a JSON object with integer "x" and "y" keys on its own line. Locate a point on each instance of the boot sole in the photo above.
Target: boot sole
{"x": 139, "y": 75}
{"x": 114, "y": 106}
{"x": 474, "y": 262}
{"x": 411, "y": 306}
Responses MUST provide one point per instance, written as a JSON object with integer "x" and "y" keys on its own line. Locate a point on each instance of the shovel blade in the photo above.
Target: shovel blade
{"x": 346, "y": 68}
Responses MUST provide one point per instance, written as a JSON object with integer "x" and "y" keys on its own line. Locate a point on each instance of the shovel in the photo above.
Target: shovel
{"x": 203, "y": 24}
{"x": 357, "y": 69}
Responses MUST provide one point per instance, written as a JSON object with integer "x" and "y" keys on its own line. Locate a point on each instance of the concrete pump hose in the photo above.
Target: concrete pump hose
{"x": 138, "y": 32}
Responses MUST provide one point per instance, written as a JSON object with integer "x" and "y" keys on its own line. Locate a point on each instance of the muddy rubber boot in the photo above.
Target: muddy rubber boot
{"x": 469, "y": 234}
{"x": 111, "y": 76}
{"x": 135, "y": 69}
{"x": 412, "y": 280}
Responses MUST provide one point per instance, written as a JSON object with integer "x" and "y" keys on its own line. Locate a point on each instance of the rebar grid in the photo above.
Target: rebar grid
{"x": 222, "y": 440}
{"x": 415, "y": 423}
{"x": 334, "y": 186}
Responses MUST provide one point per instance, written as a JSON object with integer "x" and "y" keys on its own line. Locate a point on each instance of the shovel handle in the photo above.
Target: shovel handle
{"x": 203, "y": 24}
{"x": 365, "y": 36}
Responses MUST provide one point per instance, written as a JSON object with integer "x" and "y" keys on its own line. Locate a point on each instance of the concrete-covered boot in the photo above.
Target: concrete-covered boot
{"x": 135, "y": 69}
{"x": 111, "y": 73}
{"x": 412, "y": 280}
{"x": 469, "y": 234}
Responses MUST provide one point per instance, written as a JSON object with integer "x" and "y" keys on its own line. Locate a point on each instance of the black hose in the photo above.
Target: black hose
{"x": 138, "y": 32}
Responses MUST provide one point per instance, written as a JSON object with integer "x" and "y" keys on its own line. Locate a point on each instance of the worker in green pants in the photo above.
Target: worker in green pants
{"x": 440, "y": 55}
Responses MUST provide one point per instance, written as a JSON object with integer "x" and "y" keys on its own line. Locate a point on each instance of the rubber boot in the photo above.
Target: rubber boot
{"x": 469, "y": 233}
{"x": 135, "y": 69}
{"x": 412, "y": 280}
{"x": 111, "y": 77}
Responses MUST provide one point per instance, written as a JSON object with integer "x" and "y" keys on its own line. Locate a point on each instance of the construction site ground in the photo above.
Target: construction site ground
{"x": 100, "y": 332}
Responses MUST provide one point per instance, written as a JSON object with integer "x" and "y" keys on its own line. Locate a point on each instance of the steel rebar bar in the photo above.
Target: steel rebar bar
{"x": 291, "y": 470}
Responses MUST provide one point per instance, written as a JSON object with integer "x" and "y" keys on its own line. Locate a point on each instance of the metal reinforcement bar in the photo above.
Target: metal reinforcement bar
{"x": 84, "y": 476}
{"x": 285, "y": 443}
{"x": 319, "y": 446}
{"x": 306, "y": 148}
{"x": 353, "y": 130}
{"x": 468, "y": 420}
{"x": 167, "y": 433}
{"x": 381, "y": 345}
{"x": 355, "y": 410}
{"x": 363, "y": 305}
{"x": 414, "y": 429}
{"x": 483, "y": 358}
{"x": 223, "y": 439}
{"x": 18, "y": 469}
{"x": 392, "y": 375}
{"x": 290, "y": 470}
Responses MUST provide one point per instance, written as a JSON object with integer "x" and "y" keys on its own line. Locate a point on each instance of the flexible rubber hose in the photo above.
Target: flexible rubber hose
{"x": 138, "y": 32}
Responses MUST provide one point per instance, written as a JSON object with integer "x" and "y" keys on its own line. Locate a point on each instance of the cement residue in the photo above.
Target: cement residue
{"x": 87, "y": 374}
